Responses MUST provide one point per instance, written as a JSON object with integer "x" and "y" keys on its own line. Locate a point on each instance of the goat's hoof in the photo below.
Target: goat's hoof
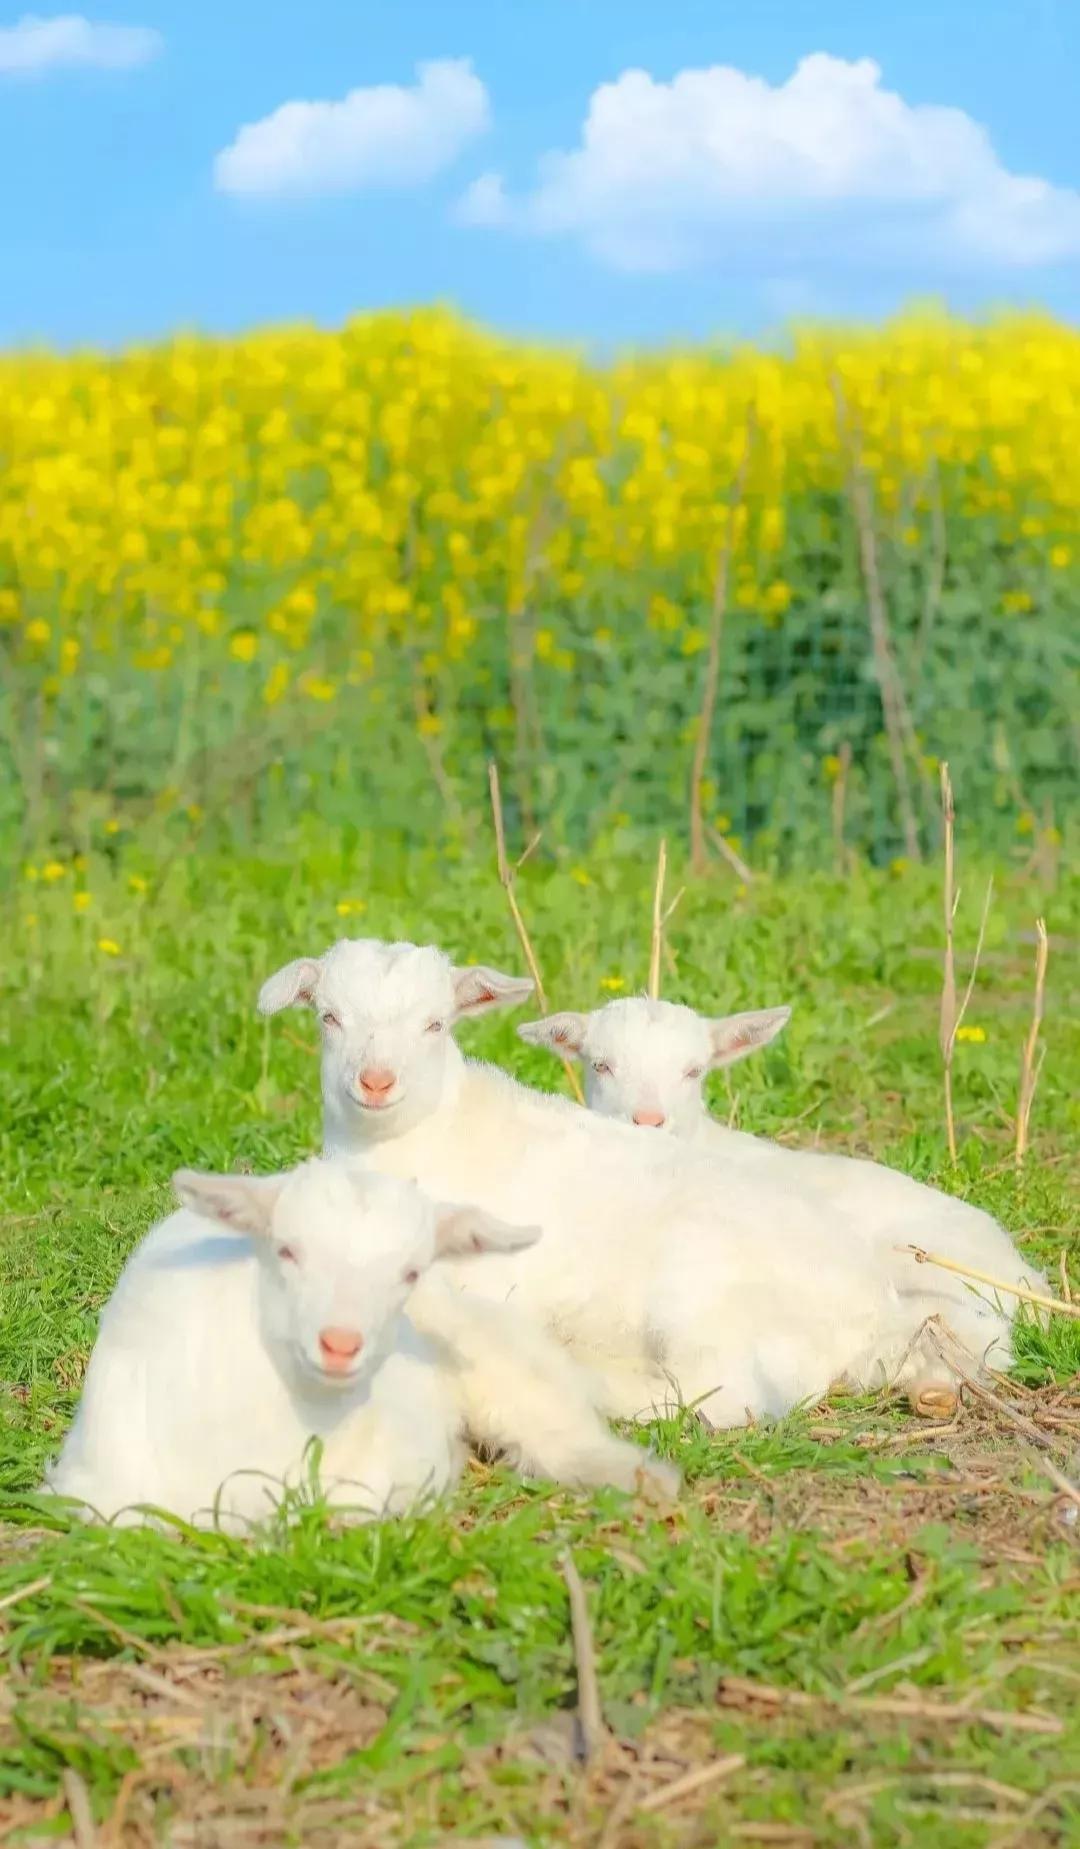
{"x": 933, "y": 1402}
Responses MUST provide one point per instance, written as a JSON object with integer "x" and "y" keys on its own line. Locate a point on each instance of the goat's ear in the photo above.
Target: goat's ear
{"x": 462, "y": 1231}
{"x": 477, "y": 988}
{"x": 559, "y": 1033}
{"x": 243, "y": 1203}
{"x": 290, "y": 986}
{"x": 736, "y": 1035}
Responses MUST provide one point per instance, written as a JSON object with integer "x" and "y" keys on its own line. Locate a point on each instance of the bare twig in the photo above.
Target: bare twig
{"x": 430, "y": 736}
{"x": 727, "y": 852}
{"x": 1063, "y": 1274}
{"x": 691, "y": 1783}
{"x": 1030, "y": 1066}
{"x": 899, "y": 733}
{"x": 947, "y": 1022}
{"x": 506, "y": 880}
{"x": 737, "y": 1691}
{"x": 952, "y": 1015}
{"x": 590, "y": 1711}
{"x": 1057, "y": 1477}
{"x": 25, "y": 1592}
{"x": 660, "y": 916}
{"x": 939, "y": 558}
{"x": 77, "y": 1798}
{"x": 709, "y": 685}
{"x": 839, "y": 808}
{"x": 657, "y": 921}
{"x": 923, "y": 1257}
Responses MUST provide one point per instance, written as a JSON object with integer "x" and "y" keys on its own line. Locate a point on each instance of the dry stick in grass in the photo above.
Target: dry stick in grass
{"x": 737, "y": 1690}
{"x": 839, "y": 808}
{"x": 1030, "y": 1068}
{"x": 698, "y": 858}
{"x": 528, "y": 739}
{"x": 1056, "y": 1476}
{"x": 659, "y": 920}
{"x": 26, "y": 1592}
{"x": 506, "y": 880}
{"x": 727, "y": 852}
{"x": 935, "y": 577}
{"x": 77, "y": 1798}
{"x": 429, "y": 732}
{"x": 952, "y": 1016}
{"x": 923, "y": 1257}
{"x": 690, "y": 1783}
{"x": 590, "y": 1712}
{"x": 899, "y": 733}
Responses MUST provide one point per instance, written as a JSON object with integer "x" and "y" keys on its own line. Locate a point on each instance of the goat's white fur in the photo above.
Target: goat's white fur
{"x": 645, "y": 1060}
{"x": 679, "y": 1272}
{"x": 208, "y": 1379}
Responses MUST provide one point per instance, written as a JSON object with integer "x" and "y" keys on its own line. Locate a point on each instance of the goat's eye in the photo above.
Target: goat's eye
{"x": 601, "y": 1068}
{"x": 330, "y": 1020}
{"x": 693, "y": 1072}
{"x": 410, "y": 1277}
{"x": 434, "y": 1027}
{"x": 287, "y": 1255}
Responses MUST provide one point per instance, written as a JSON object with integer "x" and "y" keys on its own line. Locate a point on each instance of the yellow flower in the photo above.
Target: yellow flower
{"x": 581, "y": 875}
{"x": 350, "y": 908}
{"x": 136, "y": 883}
{"x": 112, "y": 826}
{"x": 429, "y": 725}
{"x": 900, "y": 865}
{"x": 82, "y": 902}
{"x": 975, "y": 1034}
{"x": 108, "y": 947}
{"x": 776, "y": 598}
{"x": 244, "y": 646}
{"x": 53, "y": 870}
{"x": 1015, "y": 601}
{"x": 37, "y": 632}
{"x": 614, "y": 983}
{"x": 1060, "y": 557}
{"x": 277, "y": 682}
{"x": 318, "y": 689}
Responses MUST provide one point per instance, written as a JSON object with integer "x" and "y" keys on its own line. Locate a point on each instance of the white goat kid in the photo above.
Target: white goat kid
{"x": 270, "y": 1311}
{"x": 645, "y": 1062}
{"x": 675, "y": 1274}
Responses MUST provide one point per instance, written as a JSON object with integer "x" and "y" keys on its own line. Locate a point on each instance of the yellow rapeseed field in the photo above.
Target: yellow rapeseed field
{"x": 290, "y": 515}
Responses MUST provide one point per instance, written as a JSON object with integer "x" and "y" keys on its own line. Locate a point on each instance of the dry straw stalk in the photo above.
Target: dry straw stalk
{"x": 507, "y": 875}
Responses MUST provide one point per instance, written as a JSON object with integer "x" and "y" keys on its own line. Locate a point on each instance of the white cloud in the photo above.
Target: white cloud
{"x": 718, "y": 166}
{"x": 383, "y": 136}
{"x": 34, "y": 44}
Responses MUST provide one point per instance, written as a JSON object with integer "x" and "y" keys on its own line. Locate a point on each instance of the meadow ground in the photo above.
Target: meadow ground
{"x": 854, "y": 1628}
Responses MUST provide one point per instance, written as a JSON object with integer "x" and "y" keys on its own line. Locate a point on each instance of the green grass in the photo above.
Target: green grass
{"x": 318, "y": 1685}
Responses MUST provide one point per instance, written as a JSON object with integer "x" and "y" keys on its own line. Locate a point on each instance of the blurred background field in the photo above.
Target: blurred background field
{"x": 244, "y": 582}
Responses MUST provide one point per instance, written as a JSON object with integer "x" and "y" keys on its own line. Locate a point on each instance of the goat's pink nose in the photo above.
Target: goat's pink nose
{"x": 339, "y": 1347}
{"x": 378, "y": 1080}
{"x": 651, "y": 1120}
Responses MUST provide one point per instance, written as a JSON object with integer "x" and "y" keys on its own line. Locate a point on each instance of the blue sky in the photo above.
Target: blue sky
{"x": 704, "y": 202}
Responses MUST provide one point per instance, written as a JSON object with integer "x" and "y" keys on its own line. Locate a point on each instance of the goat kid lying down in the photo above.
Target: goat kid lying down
{"x": 645, "y": 1063}
{"x": 270, "y": 1311}
{"x": 677, "y": 1273}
